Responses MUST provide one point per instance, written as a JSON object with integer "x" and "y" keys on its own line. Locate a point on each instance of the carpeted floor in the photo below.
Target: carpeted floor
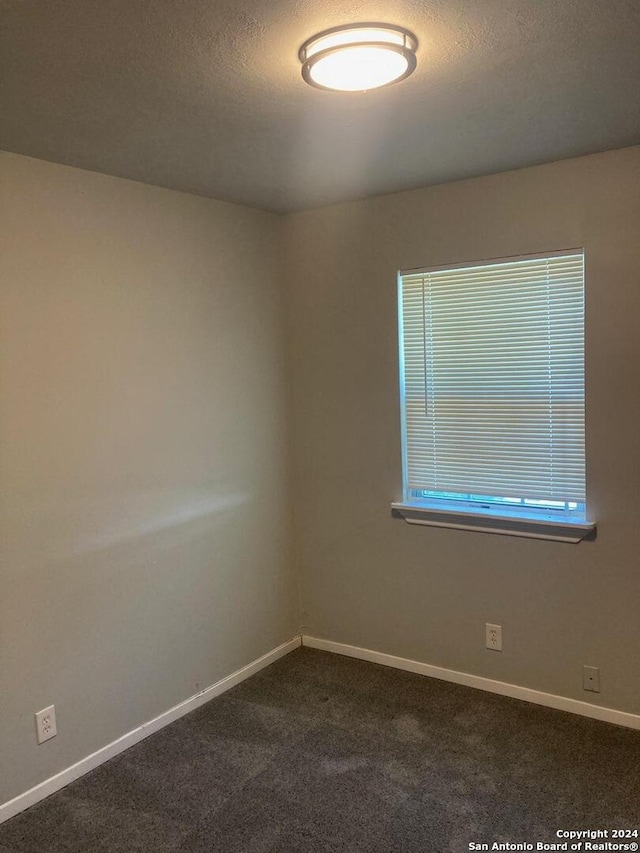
{"x": 325, "y": 753}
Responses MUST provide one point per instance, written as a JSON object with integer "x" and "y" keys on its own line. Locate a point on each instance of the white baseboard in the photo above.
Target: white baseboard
{"x": 53, "y": 784}
{"x": 549, "y": 700}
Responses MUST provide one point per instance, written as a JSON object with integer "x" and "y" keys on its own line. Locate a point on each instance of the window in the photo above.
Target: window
{"x": 492, "y": 396}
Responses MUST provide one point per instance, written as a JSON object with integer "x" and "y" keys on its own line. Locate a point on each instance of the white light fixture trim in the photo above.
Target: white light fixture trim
{"x": 358, "y": 57}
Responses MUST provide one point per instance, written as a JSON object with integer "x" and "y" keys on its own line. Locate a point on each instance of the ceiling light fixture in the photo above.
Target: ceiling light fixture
{"x": 358, "y": 57}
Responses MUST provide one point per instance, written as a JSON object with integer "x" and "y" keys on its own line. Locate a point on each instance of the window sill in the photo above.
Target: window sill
{"x": 493, "y": 522}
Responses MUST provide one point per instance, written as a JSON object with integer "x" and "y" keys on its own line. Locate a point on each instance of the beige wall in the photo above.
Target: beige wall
{"x": 145, "y": 515}
{"x": 424, "y": 593}
{"x": 145, "y": 509}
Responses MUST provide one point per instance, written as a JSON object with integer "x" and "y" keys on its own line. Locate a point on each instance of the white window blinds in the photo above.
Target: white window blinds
{"x": 492, "y": 375}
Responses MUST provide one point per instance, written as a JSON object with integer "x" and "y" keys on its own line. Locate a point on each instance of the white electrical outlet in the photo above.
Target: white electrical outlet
{"x": 591, "y": 678}
{"x": 493, "y": 637}
{"x": 46, "y": 724}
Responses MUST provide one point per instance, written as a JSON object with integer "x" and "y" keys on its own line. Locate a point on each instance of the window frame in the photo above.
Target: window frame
{"x": 474, "y": 514}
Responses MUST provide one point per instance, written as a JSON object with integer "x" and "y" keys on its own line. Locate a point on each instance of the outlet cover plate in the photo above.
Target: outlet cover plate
{"x": 46, "y": 724}
{"x": 493, "y": 637}
{"x": 591, "y": 678}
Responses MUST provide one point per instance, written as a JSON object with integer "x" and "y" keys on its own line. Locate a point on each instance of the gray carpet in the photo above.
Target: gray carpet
{"x": 325, "y": 753}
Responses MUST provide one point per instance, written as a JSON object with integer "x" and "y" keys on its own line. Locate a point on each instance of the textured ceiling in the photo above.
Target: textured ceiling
{"x": 207, "y": 97}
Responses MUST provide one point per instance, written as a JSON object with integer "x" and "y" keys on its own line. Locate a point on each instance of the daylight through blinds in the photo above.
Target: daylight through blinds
{"x": 492, "y": 370}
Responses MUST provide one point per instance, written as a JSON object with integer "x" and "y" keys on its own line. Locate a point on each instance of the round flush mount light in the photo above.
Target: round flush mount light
{"x": 358, "y": 57}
